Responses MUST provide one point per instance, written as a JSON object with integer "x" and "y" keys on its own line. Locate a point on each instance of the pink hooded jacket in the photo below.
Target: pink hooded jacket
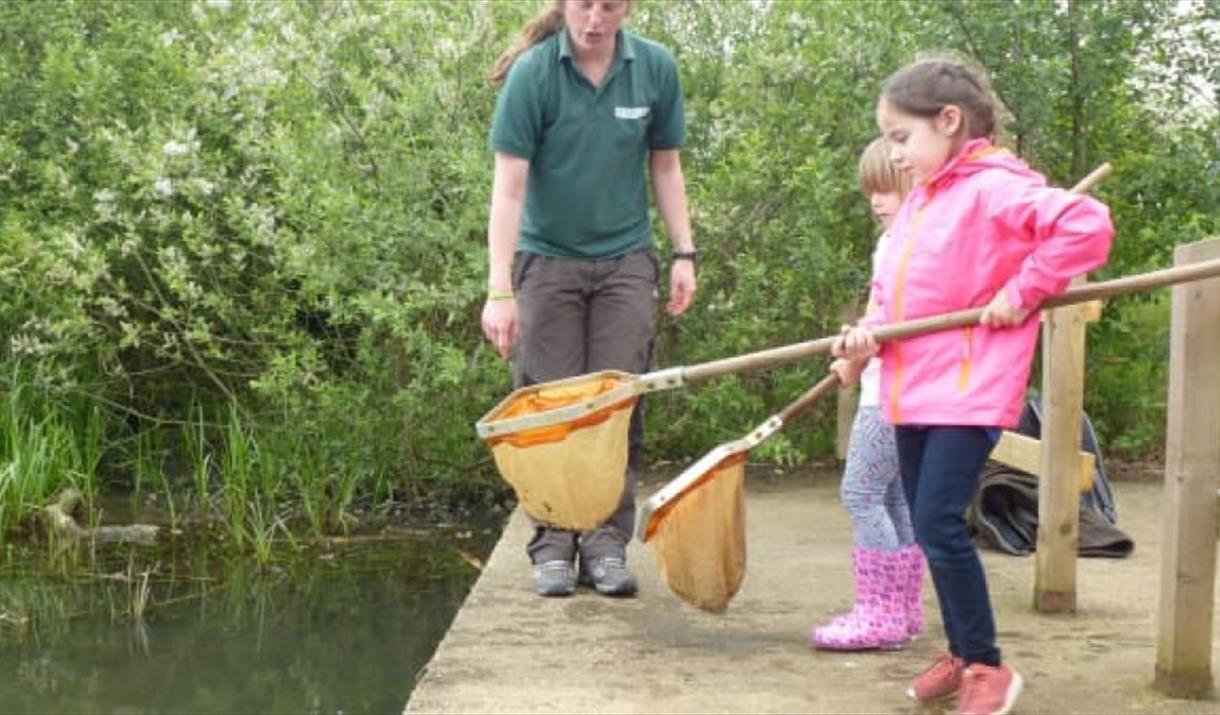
{"x": 985, "y": 222}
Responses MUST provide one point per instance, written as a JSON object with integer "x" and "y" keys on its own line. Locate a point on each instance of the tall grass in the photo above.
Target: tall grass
{"x": 237, "y": 467}
{"x": 46, "y": 444}
{"x": 253, "y": 483}
{"x": 194, "y": 440}
{"x": 259, "y": 483}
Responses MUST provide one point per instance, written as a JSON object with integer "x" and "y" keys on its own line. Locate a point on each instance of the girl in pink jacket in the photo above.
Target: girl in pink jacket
{"x": 980, "y": 228}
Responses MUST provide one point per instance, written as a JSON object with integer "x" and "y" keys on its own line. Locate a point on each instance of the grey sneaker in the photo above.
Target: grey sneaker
{"x": 555, "y": 578}
{"x": 609, "y": 575}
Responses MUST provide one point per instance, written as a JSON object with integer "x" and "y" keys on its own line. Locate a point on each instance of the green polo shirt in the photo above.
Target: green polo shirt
{"x": 587, "y": 196}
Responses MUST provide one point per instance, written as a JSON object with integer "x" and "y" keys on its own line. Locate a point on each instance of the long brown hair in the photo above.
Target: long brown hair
{"x": 925, "y": 87}
{"x": 547, "y": 22}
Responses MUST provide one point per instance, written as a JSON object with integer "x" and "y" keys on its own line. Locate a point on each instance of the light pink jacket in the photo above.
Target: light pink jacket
{"x": 985, "y": 222}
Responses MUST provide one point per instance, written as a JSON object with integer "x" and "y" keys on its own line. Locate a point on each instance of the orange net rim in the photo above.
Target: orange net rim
{"x": 548, "y": 412}
{"x": 656, "y": 517}
{"x": 551, "y": 434}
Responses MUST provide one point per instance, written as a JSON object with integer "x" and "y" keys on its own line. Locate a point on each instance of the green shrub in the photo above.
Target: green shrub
{"x": 272, "y": 214}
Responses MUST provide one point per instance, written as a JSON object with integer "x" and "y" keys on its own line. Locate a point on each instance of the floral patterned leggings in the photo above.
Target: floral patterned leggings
{"x": 872, "y": 485}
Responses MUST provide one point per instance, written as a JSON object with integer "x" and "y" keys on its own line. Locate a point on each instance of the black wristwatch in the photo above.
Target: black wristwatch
{"x": 686, "y": 256}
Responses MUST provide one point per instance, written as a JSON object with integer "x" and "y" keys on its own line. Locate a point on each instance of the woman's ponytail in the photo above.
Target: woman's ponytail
{"x": 544, "y": 24}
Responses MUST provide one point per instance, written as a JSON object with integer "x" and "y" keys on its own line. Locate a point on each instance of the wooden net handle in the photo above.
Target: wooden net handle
{"x": 812, "y": 395}
{"x": 799, "y": 351}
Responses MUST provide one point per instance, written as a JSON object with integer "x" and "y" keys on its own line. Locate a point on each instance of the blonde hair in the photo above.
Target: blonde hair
{"x": 547, "y": 22}
{"x": 877, "y": 173}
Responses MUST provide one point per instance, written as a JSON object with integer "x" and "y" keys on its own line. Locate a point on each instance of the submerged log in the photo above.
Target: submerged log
{"x": 60, "y": 520}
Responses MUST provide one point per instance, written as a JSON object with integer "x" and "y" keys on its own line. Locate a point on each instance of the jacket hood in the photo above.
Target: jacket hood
{"x": 978, "y": 155}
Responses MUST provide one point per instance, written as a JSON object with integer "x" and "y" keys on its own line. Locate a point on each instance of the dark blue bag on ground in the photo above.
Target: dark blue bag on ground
{"x": 1004, "y": 513}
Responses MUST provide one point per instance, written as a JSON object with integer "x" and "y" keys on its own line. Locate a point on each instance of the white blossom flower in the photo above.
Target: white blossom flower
{"x": 163, "y": 187}
{"x": 174, "y": 148}
{"x": 75, "y": 247}
{"x": 103, "y": 204}
{"x": 447, "y": 48}
{"x": 219, "y": 5}
{"x": 25, "y": 344}
{"x": 59, "y": 274}
{"x": 112, "y": 307}
{"x": 168, "y": 37}
{"x": 204, "y": 186}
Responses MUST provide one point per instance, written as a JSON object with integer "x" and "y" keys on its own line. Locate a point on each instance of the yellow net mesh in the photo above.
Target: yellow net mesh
{"x": 570, "y": 475}
{"x": 698, "y": 538}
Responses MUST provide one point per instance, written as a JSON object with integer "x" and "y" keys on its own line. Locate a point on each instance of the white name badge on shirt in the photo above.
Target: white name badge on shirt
{"x": 631, "y": 112}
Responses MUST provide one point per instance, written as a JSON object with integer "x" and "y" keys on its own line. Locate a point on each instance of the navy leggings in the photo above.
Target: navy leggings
{"x": 940, "y": 468}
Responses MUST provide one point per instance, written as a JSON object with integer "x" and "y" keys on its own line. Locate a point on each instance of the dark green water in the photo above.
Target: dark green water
{"x": 325, "y": 629}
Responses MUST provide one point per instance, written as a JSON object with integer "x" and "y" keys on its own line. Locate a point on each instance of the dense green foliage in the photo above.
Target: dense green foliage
{"x": 248, "y": 237}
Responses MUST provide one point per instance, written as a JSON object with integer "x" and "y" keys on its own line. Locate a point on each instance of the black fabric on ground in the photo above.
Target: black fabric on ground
{"x": 1004, "y": 513}
{"x": 1004, "y": 516}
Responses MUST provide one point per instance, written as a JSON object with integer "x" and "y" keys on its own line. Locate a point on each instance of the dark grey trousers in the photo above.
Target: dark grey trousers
{"x": 579, "y": 316}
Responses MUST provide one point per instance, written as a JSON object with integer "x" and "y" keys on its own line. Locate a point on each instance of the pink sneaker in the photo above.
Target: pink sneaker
{"x": 942, "y": 679}
{"x": 988, "y": 690}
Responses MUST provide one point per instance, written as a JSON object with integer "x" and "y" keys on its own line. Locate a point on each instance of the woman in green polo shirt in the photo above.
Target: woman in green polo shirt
{"x": 572, "y": 286}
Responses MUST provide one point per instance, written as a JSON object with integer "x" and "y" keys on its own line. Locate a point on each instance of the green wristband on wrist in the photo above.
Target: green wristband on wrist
{"x": 498, "y": 294}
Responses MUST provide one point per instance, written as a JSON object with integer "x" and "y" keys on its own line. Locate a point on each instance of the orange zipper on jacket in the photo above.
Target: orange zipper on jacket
{"x": 963, "y": 371}
{"x": 963, "y": 378}
{"x": 899, "y": 309}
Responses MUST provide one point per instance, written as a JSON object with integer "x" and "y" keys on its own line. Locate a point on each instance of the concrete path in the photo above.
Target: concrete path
{"x": 509, "y": 651}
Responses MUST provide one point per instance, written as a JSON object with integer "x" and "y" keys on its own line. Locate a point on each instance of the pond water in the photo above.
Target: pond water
{"x": 343, "y": 626}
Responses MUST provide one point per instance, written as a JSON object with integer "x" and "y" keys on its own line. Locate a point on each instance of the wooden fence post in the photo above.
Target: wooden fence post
{"x": 846, "y": 415}
{"x": 845, "y": 398}
{"x": 1192, "y": 460}
{"x": 1063, "y": 334}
